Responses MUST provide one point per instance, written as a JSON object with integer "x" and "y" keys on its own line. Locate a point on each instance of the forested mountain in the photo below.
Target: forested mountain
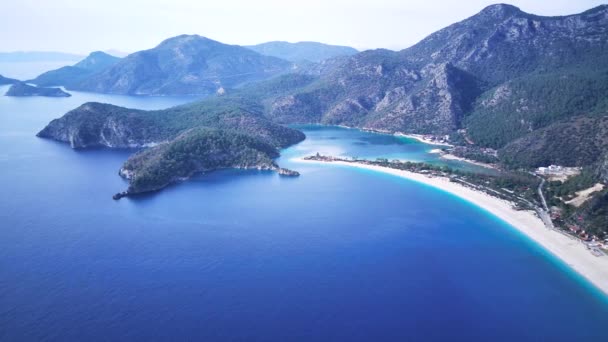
{"x": 70, "y": 76}
{"x": 185, "y": 65}
{"x": 302, "y": 51}
{"x": 501, "y": 75}
{"x": 194, "y": 151}
{"x": 519, "y": 106}
{"x": 182, "y": 140}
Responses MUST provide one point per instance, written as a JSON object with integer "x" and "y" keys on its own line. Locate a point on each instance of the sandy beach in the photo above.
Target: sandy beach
{"x": 571, "y": 251}
{"x": 421, "y": 139}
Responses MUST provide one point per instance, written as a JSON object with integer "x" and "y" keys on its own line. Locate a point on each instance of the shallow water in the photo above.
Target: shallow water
{"x": 336, "y": 254}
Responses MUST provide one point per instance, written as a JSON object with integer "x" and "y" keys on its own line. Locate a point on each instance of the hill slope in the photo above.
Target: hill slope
{"x": 185, "y": 65}
{"x": 500, "y": 74}
{"x": 302, "y": 51}
{"x": 195, "y": 151}
{"x": 502, "y": 42}
{"x": 69, "y": 76}
{"x": 182, "y": 141}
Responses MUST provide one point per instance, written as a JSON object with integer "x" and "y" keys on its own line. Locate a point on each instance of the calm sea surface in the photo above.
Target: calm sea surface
{"x": 336, "y": 254}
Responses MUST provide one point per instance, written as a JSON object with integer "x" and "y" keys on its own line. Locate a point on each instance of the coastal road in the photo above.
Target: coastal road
{"x": 540, "y": 193}
{"x": 544, "y": 212}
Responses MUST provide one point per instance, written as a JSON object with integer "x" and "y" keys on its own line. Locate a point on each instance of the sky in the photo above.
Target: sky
{"x": 82, "y": 26}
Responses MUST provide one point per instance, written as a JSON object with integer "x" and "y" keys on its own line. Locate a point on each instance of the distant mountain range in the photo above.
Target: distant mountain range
{"x": 38, "y": 56}
{"x": 186, "y": 64}
{"x": 302, "y": 51}
{"x": 71, "y": 76}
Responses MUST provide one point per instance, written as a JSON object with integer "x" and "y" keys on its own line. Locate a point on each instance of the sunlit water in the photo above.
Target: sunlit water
{"x": 336, "y": 254}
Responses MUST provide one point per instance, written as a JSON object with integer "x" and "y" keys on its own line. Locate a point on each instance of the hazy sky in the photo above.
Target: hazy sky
{"x": 82, "y": 26}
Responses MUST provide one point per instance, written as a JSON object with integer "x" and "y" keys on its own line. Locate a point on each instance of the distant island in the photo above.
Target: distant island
{"x": 6, "y": 80}
{"x": 22, "y": 89}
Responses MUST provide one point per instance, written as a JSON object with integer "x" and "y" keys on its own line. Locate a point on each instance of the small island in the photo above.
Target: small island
{"x": 21, "y": 89}
{"x": 287, "y": 172}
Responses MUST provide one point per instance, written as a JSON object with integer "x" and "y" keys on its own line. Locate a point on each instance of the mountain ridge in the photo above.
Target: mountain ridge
{"x": 302, "y": 51}
{"x": 185, "y": 65}
{"x": 69, "y": 76}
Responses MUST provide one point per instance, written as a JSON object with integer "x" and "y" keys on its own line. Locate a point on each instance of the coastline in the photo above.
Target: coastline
{"x": 570, "y": 251}
{"x": 417, "y": 137}
{"x": 448, "y": 156}
{"x": 421, "y": 139}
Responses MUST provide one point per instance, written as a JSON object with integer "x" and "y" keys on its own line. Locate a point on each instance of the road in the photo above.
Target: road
{"x": 544, "y": 212}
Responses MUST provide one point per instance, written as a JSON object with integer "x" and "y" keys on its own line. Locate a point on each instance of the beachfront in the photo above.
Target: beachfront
{"x": 569, "y": 250}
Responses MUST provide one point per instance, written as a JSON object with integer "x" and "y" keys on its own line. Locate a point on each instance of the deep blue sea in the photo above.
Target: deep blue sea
{"x": 338, "y": 254}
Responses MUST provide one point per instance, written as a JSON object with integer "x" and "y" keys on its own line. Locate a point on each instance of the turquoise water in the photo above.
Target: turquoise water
{"x": 344, "y": 142}
{"x": 336, "y": 254}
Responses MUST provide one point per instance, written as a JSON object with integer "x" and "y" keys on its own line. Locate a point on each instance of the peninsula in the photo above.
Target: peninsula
{"x": 178, "y": 142}
{"x": 193, "y": 152}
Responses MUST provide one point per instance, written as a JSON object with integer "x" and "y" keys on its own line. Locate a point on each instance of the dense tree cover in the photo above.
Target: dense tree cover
{"x": 474, "y": 153}
{"x": 579, "y": 141}
{"x": 194, "y": 151}
{"x": 96, "y": 124}
{"x": 594, "y": 215}
{"x": 517, "y": 183}
{"x": 566, "y": 190}
{"x": 528, "y": 103}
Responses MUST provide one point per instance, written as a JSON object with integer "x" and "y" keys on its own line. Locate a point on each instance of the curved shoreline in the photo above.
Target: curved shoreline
{"x": 568, "y": 250}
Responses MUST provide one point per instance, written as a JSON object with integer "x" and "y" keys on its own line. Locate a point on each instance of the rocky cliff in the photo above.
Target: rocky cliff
{"x": 103, "y": 125}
